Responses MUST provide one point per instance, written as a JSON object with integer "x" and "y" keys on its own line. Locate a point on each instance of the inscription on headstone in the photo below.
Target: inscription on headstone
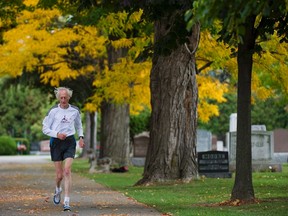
{"x": 214, "y": 164}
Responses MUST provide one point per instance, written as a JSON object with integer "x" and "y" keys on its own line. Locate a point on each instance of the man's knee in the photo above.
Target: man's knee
{"x": 67, "y": 172}
{"x": 59, "y": 176}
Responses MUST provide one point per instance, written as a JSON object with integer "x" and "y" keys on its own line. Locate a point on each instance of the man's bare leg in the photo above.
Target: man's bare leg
{"x": 67, "y": 179}
{"x": 58, "y": 179}
{"x": 59, "y": 173}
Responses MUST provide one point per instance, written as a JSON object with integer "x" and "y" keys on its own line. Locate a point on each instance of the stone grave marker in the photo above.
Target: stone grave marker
{"x": 214, "y": 164}
{"x": 141, "y": 142}
{"x": 262, "y": 146}
{"x": 140, "y": 146}
{"x": 204, "y": 140}
{"x": 281, "y": 145}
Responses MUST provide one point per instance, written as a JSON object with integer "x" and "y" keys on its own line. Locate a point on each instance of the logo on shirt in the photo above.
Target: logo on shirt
{"x": 64, "y": 120}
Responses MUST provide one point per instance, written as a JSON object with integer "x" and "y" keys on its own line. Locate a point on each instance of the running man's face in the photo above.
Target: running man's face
{"x": 64, "y": 99}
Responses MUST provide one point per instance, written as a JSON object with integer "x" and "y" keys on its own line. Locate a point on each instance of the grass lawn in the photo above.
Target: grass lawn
{"x": 200, "y": 197}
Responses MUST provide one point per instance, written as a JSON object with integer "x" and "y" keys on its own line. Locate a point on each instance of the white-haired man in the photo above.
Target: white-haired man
{"x": 61, "y": 123}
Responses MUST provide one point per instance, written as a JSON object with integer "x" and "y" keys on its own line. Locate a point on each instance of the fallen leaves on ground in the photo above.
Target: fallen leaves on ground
{"x": 235, "y": 202}
{"x": 238, "y": 202}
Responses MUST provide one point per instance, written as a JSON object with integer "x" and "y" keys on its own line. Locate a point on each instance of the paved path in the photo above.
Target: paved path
{"x": 27, "y": 184}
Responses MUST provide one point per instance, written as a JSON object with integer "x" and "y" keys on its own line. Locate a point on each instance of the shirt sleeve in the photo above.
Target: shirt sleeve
{"x": 78, "y": 125}
{"x": 46, "y": 126}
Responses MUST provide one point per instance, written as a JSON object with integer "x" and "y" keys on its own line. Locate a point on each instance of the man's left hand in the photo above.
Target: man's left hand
{"x": 81, "y": 143}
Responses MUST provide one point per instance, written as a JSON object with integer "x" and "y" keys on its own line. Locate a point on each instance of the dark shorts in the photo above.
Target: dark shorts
{"x": 62, "y": 149}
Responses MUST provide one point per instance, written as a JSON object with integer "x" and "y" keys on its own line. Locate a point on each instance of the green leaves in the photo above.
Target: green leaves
{"x": 20, "y": 109}
{"x": 233, "y": 14}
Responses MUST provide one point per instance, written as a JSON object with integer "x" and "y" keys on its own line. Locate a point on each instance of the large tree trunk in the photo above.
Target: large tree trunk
{"x": 115, "y": 133}
{"x": 115, "y": 139}
{"x": 171, "y": 152}
{"x": 243, "y": 187}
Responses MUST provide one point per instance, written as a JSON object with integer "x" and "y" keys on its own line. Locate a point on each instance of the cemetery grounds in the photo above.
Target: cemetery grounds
{"x": 204, "y": 196}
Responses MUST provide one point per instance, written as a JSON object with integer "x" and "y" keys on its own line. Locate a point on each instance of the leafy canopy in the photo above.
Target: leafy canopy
{"x": 38, "y": 44}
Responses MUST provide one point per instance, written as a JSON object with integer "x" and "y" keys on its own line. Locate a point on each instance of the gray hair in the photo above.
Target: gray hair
{"x": 57, "y": 90}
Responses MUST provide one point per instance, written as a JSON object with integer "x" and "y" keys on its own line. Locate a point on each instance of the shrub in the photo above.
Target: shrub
{"x": 7, "y": 146}
{"x": 140, "y": 122}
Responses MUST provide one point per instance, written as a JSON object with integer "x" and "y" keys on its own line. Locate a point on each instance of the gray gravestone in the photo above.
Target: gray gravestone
{"x": 204, "y": 140}
{"x": 262, "y": 144}
{"x": 258, "y": 128}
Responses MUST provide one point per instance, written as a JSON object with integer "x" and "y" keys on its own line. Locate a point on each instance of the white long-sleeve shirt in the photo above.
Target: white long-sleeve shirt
{"x": 60, "y": 120}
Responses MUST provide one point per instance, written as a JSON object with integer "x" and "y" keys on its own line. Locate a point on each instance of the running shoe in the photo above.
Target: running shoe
{"x": 66, "y": 207}
{"x": 57, "y": 197}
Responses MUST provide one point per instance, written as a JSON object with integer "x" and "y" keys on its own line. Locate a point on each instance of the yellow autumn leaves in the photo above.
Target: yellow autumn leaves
{"x": 41, "y": 43}
{"x": 37, "y": 43}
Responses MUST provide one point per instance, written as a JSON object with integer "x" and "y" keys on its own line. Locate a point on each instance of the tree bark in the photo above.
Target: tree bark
{"x": 115, "y": 133}
{"x": 243, "y": 186}
{"x": 115, "y": 139}
{"x": 171, "y": 152}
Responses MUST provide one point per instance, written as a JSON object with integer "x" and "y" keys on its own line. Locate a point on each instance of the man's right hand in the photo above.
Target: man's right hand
{"x": 61, "y": 136}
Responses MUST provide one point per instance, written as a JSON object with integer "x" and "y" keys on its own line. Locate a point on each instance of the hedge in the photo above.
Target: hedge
{"x": 8, "y": 145}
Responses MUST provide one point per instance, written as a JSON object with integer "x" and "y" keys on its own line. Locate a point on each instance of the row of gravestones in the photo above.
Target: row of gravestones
{"x": 266, "y": 145}
{"x": 269, "y": 150}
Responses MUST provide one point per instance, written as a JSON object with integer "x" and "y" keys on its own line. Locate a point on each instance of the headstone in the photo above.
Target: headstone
{"x": 141, "y": 141}
{"x": 204, "y": 140}
{"x": 262, "y": 146}
{"x": 220, "y": 146}
{"x": 261, "y": 143}
{"x": 281, "y": 140}
{"x": 140, "y": 146}
{"x": 258, "y": 128}
{"x": 281, "y": 145}
{"x": 214, "y": 164}
{"x": 233, "y": 122}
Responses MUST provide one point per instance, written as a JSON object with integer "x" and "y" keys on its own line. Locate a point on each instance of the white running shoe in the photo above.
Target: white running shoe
{"x": 66, "y": 206}
{"x": 57, "y": 197}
